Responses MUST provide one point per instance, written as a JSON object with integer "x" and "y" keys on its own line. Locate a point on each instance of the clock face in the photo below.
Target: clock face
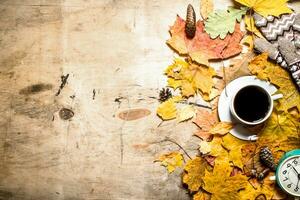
{"x": 289, "y": 175}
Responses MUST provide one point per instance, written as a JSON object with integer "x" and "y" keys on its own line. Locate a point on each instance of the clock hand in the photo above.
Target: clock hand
{"x": 296, "y": 171}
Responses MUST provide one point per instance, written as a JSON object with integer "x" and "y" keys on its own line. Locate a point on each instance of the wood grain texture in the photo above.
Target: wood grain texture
{"x": 114, "y": 52}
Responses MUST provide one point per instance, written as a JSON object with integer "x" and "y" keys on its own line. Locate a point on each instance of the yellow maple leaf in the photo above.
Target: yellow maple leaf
{"x": 267, "y": 7}
{"x": 173, "y": 83}
{"x": 266, "y": 70}
{"x": 187, "y": 88}
{"x": 171, "y": 160}
{"x": 278, "y": 127}
{"x": 190, "y": 78}
{"x": 167, "y": 110}
{"x": 193, "y": 173}
{"x": 252, "y": 191}
{"x": 234, "y": 146}
{"x": 217, "y": 148}
{"x": 224, "y": 187}
{"x": 221, "y": 128}
{"x": 199, "y": 77}
{"x": 174, "y": 69}
{"x": 186, "y": 113}
{"x": 201, "y": 196}
{"x": 250, "y": 26}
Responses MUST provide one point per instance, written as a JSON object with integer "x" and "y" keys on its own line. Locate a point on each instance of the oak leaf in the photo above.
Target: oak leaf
{"x": 171, "y": 160}
{"x": 202, "y": 48}
{"x": 228, "y": 19}
{"x": 267, "y": 7}
{"x": 193, "y": 173}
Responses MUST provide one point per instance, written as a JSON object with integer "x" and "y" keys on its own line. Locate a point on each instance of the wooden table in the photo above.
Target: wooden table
{"x": 114, "y": 54}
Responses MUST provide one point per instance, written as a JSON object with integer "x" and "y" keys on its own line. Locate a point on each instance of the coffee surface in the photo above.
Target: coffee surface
{"x": 251, "y": 104}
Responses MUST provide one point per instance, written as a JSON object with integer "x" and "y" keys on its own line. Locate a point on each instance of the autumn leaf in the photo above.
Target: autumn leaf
{"x": 185, "y": 113}
{"x": 221, "y": 128}
{"x": 202, "y": 48}
{"x": 198, "y": 78}
{"x": 190, "y": 78}
{"x": 205, "y": 119}
{"x": 223, "y": 187}
{"x": 167, "y": 110}
{"x": 278, "y": 127}
{"x": 193, "y": 173}
{"x": 267, "y": 7}
{"x": 228, "y": 19}
{"x": 250, "y": 26}
{"x": 266, "y": 70}
{"x": 201, "y": 195}
{"x": 255, "y": 189}
{"x": 234, "y": 146}
{"x": 217, "y": 149}
{"x": 206, "y": 7}
{"x": 171, "y": 160}
{"x": 204, "y": 135}
{"x": 204, "y": 147}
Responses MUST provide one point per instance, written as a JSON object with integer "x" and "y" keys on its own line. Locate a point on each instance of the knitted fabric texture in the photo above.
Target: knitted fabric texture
{"x": 283, "y": 39}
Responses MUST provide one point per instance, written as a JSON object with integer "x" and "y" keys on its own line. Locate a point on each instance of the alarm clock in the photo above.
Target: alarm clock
{"x": 288, "y": 173}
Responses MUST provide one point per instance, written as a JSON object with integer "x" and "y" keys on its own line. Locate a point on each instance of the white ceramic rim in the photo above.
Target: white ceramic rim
{"x": 256, "y": 122}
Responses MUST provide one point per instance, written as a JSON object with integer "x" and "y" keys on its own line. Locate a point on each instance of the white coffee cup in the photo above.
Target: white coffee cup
{"x": 270, "y": 108}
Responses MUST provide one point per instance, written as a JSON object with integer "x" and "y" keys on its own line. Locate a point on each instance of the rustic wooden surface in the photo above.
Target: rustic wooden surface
{"x": 115, "y": 48}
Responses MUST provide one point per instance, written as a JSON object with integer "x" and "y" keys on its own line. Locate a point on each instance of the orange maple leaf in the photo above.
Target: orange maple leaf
{"x": 202, "y": 48}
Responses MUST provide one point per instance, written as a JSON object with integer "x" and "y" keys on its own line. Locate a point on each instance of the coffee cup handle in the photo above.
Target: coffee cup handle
{"x": 276, "y": 96}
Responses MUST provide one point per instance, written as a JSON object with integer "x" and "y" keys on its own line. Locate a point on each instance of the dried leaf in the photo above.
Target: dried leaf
{"x": 202, "y": 48}
{"x": 204, "y": 135}
{"x": 171, "y": 160}
{"x": 250, "y": 26}
{"x": 234, "y": 146}
{"x": 267, "y": 7}
{"x": 205, "y": 119}
{"x": 205, "y": 148}
{"x": 190, "y": 78}
{"x": 193, "y": 173}
{"x": 222, "y": 22}
{"x": 223, "y": 187}
{"x": 167, "y": 110}
{"x": 267, "y": 70}
{"x": 267, "y": 188}
{"x": 206, "y": 7}
{"x": 201, "y": 196}
{"x": 221, "y": 128}
{"x": 185, "y": 113}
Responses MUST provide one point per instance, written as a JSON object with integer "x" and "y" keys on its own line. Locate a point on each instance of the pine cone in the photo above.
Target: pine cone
{"x": 165, "y": 94}
{"x": 266, "y": 158}
{"x": 190, "y": 26}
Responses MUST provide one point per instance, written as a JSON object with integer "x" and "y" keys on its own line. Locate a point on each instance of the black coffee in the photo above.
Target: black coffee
{"x": 251, "y": 103}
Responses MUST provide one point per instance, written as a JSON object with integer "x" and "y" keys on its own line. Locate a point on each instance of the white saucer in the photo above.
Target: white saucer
{"x": 239, "y": 130}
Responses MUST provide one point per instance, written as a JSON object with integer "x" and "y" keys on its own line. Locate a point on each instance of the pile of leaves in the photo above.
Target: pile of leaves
{"x": 226, "y": 167}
